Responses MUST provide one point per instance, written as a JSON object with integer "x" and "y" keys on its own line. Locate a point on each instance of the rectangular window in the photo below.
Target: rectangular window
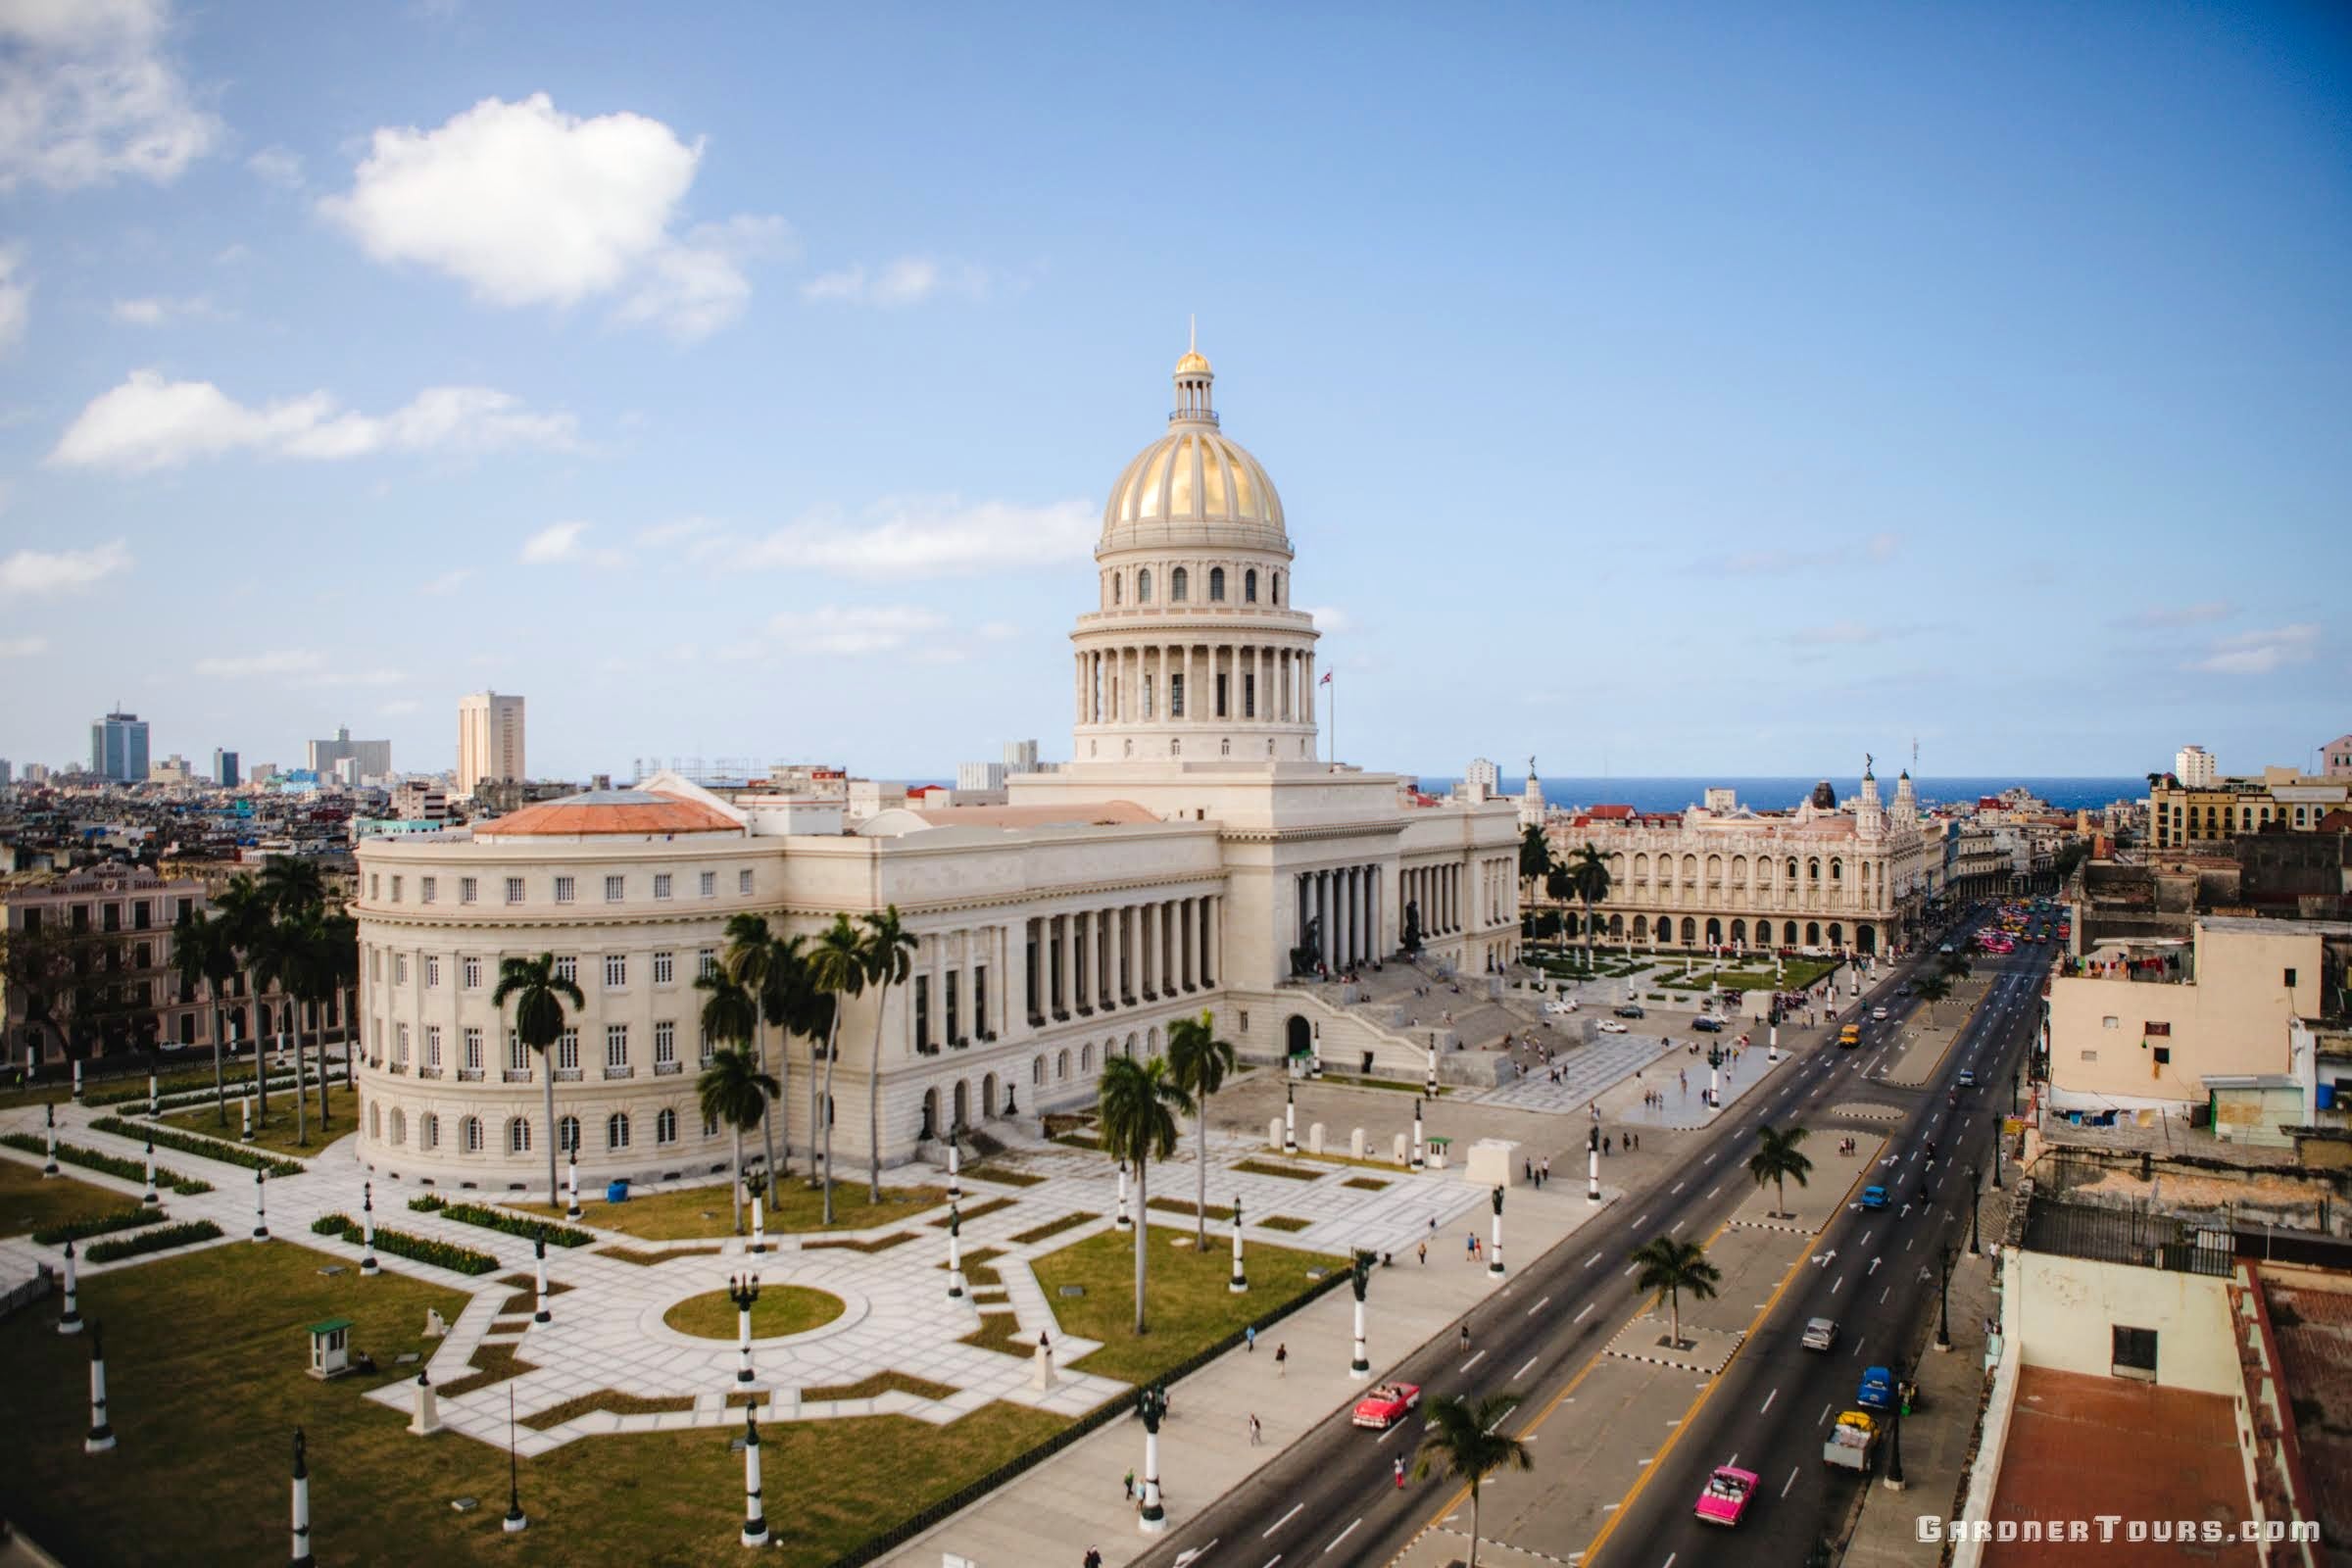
{"x": 922, "y": 1013}
{"x": 2135, "y": 1354}
{"x": 617, "y": 1045}
{"x": 954, "y": 1033}
{"x": 375, "y": 964}
{"x": 376, "y": 888}
{"x": 470, "y": 971}
{"x": 564, "y": 889}
{"x": 2164, "y": 1055}
{"x": 615, "y": 887}
{"x": 432, "y": 973}
{"x": 396, "y": 881}
{"x": 2163, "y": 1030}
{"x": 666, "y": 1043}
{"x": 706, "y": 964}
{"x": 399, "y": 968}
{"x": 980, "y": 1001}
{"x": 473, "y": 1050}
{"x": 1250, "y": 694}
{"x": 2109, "y": 1022}
{"x": 514, "y": 890}
{"x": 617, "y": 970}
{"x": 468, "y": 889}
{"x": 2090, "y": 1056}
{"x": 1221, "y": 696}
{"x": 709, "y": 884}
{"x": 1175, "y": 695}
{"x": 567, "y": 1051}
{"x": 400, "y": 1046}
{"x": 661, "y": 884}
{"x": 743, "y": 881}
{"x": 664, "y": 968}
{"x": 568, "y": 967}
{"x": 2290, "y": 980}
{"x": 432, "y": 1045}
{"x": 429, "y": 888}
{"x": 702, "y": 1054}
{"x": 518, "y": 1054}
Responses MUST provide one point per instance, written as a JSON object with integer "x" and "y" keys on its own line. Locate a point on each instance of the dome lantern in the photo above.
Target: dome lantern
{"x": 1192, "y": 377}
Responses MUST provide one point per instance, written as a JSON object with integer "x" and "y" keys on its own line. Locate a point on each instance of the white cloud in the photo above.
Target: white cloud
{"x": 2258, "y": 653}
{"x": 558, "y": 541}
{"x": 836, "y": 629}
{"x": 399, "y": 706}
{"x": 90, "y": 95}
{"x": 675, "y": 531}
{"x": 36, "y": 571}
{"x": 908, "y": 280}
{"x": 293, "y": 666}
{"x": 1843, "y": 633}
{"x": 1331, "y": 619}
{"x": 16, "y": 300}
{"x": 449, "y": 583}
{"x": 277, "y": 166}
{"x": 530, "y": 206}
{"x": 921, "y": 536}
{"x": 155, "y": 310}
{"x": 23, "y": 647}
{"x": 148, "y": 423}
{"x": 2172, "y": 618}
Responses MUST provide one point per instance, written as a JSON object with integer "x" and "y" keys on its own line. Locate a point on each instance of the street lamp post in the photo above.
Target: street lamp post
{"x": 1943, "y": 1304}
{"x": 1894, "y": 1453}
{"x": 1976, "y": 1209}
{"x": 1495, "y": 1255}
{"x": 1151, "y": 1403}
{"x": 743, "y": 1291}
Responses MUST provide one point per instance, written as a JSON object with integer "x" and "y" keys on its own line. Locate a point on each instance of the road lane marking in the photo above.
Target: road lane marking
{"x": 1344, "y": 1535}
{"x": 1768, "y": 1399}
{"x": 1539, "y": 1306}
{"x": 1677, "y": 1187}
{"x": 1590, "y": 1261}
{"x": 1525, "y": 1370}
{"x": 1883, "y": 1294}
{"x": 1284, "y": 1520}
{"x": 1784, "y": 1486}
{"x": 1474, "y": 1360}
{"x": 1630, "y": 1270}
{"x": 1394, "y": 1427}
{"x": 1580, "y": 1311}
{"x": 1643, "y": 1220}
{"x": 1712, "y": 1190}
{"x": 1825, "y": 1417}
{"x": 1840, "y": 1285}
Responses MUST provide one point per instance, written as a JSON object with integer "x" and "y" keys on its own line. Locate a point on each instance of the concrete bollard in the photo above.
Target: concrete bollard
{"x": 1274, "y": 1132}
{"x": 427, "y": 1419}
{"x": 1403, "y": 1148}
{"x": 1355, "y": 1143}
{"x": 1314, "y": 1138}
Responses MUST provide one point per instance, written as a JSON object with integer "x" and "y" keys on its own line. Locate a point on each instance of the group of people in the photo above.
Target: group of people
{"x": 1539, "y": 1172}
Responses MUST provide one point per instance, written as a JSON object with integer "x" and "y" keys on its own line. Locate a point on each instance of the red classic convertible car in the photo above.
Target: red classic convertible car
{"x": 1387, "y": 1405}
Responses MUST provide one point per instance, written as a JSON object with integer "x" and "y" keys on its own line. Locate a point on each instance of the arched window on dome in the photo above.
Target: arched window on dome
{"x": 1179, "y": 586}
{"x": 1249, "y": 586}
{"x": 1275, "y": 582}
{"x": 1217, "y": 585}
{"x": 1143, "y": 586}
{"x": 1116, "y": 585}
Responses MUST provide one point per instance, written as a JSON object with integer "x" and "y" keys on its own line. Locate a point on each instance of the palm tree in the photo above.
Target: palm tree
{"x": 1559, "y": 885}
{"x": 201, "y": 951}
{"x": 243, "y": 912}
{"x": 1670, "y": 1268}
{"x": 767, "y": 969}
{"x": 729, "y": 1013}
{"x": 1775, "y": 1159}
{"x": 1138, "y": 1102}
{"x": 1590, "y": 869}
{"x": 734, "y": 1092}
{"x": 1955, "y": 967}
{"x": 291, "y": 884}
{"x": 836, "y": 967}
{"x": 1933, "y": 989}
{"x": 1198, "y": 1061}
{"x": 284, "y": 953}
{"x": 1535, "y": 859}
{"x": 1461, "y": 1444}
{"x": 539, "y": 994}
{"x": 889, "y": 959}
{"x": 340, "y": 967}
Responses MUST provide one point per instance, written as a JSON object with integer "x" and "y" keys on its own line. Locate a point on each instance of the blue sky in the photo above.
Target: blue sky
{"x": 1698, "y": 390}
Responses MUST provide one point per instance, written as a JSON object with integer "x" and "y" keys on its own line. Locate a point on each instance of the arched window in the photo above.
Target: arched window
{"x": 1037, "y": 1070}
{"x": 1178, "y": 584}
{"x": 469, "y": 1135}
{"x": 428, "y": 1131}
{"x": 617, "y": 1129}
{"x": 1115, "y": 585}
{"x": 1217, "y": 585}
{"x": 1792, "y": 876}
{"x": 1836, "y": 870}
{"x": 375, "y": 1121}
{"x": 567, "y": 1135}
{"x": 1086, "y": 1058}
{"x": 399, "y": 1125}
{"x": 1143, "y": 586}
{"x": 1813, "y": 871}
{"x": 1275, "y": 580}
{"x": 1061, "y": 1066}
{"x": 666, "y": 1127}
{"x": 518, "y": 1136}
{"x": 1249, "y": 586}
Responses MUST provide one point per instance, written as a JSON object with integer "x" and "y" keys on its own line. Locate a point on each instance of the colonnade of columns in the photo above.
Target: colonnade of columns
{"x": 1345, "y": 903}
{"x": 1437, "y": 890}
{"x": 954, "y": 1003}
{"x": 1197, "y": 683}
{"x": 1090, "y": 961}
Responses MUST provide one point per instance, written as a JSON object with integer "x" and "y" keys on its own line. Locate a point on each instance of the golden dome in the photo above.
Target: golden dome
{"x": 1194, "y": 362}
{"x": 1194, "y": 475}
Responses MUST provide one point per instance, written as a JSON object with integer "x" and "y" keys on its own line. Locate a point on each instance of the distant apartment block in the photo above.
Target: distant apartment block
{"x": 2193, "y": 766}
{"x": 119, "y": 747}
{"x": 225, "y": 769}
{"x": 490, "y": 740}
{"x": 369, "y": 759}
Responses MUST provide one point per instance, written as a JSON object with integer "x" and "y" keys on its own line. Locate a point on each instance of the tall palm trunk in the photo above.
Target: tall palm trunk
{"x": 1587, "y": 931}
{"x": 823, "y": 1110}
{"x": 736, "y": 1197}
{"x": 547, "y": 1085}
{"x": 219, "y": 1081}
{"x": 1473, "y": 1563}
{"x": 1143, "y": 1208}
{"x": 260, "y": 1071}
{"x": 767, "y": 1120}
{"x": 873, "y": 1106}
{"x": 320, "y": 1046}
{"x": 302, "y": 1100}
{"x": 1201, "y": 1208}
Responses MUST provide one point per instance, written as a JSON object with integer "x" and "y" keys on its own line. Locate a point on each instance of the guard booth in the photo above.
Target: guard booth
{"x": 1437, "y": 1150}
{"x": 331, "y": 1348}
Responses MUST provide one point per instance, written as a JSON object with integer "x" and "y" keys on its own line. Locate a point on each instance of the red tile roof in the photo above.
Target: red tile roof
{"x": 610, "y": 812}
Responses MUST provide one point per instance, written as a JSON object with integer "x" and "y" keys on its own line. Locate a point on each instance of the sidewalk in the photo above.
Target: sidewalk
{"x": 1078, "y": 1499}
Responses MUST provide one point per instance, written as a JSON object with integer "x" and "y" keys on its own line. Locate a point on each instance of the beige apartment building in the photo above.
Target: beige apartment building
{"x": 489, "y": 741}
{"x": 2166, "y": 1025}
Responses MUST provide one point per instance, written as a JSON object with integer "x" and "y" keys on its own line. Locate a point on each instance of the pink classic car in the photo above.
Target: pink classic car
{"x": 1387, "y": 1405}
{"x": 1724, "y": 1500}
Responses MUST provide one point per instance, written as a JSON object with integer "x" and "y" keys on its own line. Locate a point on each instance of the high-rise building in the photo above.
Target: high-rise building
{"x": 2193, "y": 766}
{"x": 1021, "y": 757}
{"x": 225, "y": 768}
{"x": 489, "y": 741}
{"x": 372, "y": 758}
{"x": 2336, "y": 755}
{"x": 1485, "y": 775}
{"x": 979, "y": 775}
{"x": 119, "y": 747}
{"x": 7, "y": 773}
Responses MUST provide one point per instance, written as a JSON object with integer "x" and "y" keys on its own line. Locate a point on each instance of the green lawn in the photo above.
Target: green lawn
{"x": 204, "y": 1357}
{"x": 275, "y": 1131}
{"x": 694, "y": 1211}
{"x": 780, "y": 1310}
{"x": 1186, "y": 1302}
{"x": 30, "y": 1202}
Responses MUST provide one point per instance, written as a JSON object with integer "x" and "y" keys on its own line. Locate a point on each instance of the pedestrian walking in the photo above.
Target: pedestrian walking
{"x": 1255, "y": 1437}
{"x": 1424, "y": 1249}
{"x": 1249, "y": 1338}
{"x": 1130, "y": 1486}
{"x": 1604, "y": 1143}
{"x": 1530, "y": 1168}
{"x": 1400, "y": 1472}
{"x": 1547, "y": 1167}
{"x": 1470, "y": 1248}
{"x": 1465, "y": 1334}
{"x": 1282, "y": 1357}
{"x": 1093, "y": 1559}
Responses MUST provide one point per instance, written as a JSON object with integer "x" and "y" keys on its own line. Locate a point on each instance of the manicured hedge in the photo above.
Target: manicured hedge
{"x": 202, "y": 1147}
{"x": 521, "y": 1225}
{"x": 417, "y": 1249}
{"x": 128, "y": 1219}
{"x": 130, "y": 1170}
{"x": 154, "y": 1241}
{"x": 427, "y": 1203}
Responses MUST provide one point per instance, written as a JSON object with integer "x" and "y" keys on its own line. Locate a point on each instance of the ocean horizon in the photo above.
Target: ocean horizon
{"x": 1782, "y": 794}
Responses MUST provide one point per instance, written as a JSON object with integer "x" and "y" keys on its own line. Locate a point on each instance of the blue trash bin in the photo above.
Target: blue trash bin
{"x": 617, "y": 1192}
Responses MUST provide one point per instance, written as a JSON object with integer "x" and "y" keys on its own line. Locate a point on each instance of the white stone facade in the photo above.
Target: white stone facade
{"x": 1190, "y": 854}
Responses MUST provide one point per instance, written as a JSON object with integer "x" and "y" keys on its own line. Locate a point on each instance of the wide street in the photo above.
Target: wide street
{"x": 1623, "y": 1432}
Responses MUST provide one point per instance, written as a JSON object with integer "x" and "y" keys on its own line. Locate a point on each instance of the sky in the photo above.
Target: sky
{"x": 1663, "y": 390}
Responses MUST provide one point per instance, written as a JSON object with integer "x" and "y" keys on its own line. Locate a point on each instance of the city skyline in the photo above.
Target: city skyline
{"x": 801, "y": 450}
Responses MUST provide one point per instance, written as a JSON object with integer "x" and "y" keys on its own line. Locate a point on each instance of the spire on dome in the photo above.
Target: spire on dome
{"x": 1193, "y": 376}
